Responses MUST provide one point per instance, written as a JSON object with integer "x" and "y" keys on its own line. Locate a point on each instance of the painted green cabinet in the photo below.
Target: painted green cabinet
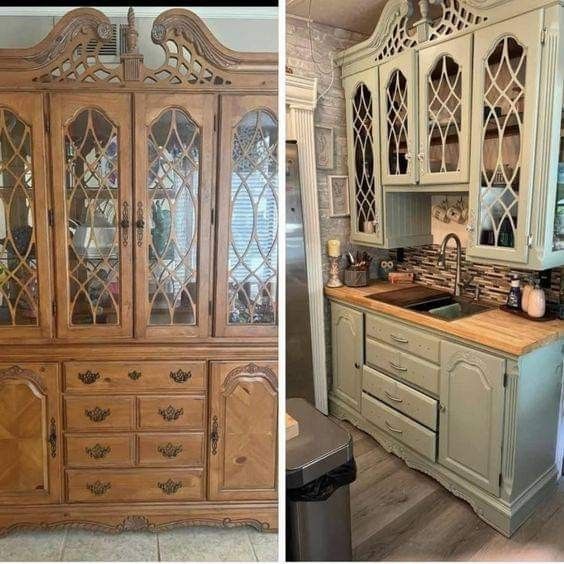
{"x": 471, "y": 414}
{"x": 347, "y": 346}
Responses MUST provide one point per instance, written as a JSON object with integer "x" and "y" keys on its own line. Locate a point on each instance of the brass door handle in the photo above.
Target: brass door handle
{"x": 214, "y": 435}
{"x": 53, "y": 438}
{"x": 140, "y": 223}
{"x": 124, "y": 224}
{"x": 357, "y": 365}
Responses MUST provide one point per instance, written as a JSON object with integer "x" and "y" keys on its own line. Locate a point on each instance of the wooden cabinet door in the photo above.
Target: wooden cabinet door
{"x": 445, "y": 74}
{"x": 91, "y": 144}
{"x": 175, "y": 163}
{"x": 347, "y": 348}
{"x": 30, "y": 434}
{"x": 398, "y": 124}
{"x": 471, "y": 414}
{"x": 504, "y": 116}
{"x": 25, "y": 282}
{"x": 363, "y": 135}
{"x": 242, "y": 457}
{"x": 247, "y": 227}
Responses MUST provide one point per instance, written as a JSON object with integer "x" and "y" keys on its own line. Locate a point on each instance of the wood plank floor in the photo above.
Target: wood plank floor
{"x": 401, "y": 514}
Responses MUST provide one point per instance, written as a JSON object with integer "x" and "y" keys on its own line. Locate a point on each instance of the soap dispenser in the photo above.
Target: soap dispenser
{"x": 514, "y": 296}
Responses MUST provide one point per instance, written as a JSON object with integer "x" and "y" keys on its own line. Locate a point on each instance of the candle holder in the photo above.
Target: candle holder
{"x": 334, "y": 273}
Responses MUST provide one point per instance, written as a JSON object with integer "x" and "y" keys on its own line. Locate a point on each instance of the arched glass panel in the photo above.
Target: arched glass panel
{"x": 253, "y": 224}
{"x": 173, "y": 191}
{"x": 92, "y": 191}
{"x": 503, "y": 105}
{"x": 397, "y": 126}
{"x": 18, "y": 259}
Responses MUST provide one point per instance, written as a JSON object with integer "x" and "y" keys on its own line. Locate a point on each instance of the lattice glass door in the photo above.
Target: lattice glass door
{"x": 444, "y": 113}
{"x": 361, "y": 93}
{"x": 506, "y": 78}
{"x": 175, "y": 165}
{"x": 24, "y": 242}
{"x": 397, "y": 119}
{"x": 91, "y": 139}
{"x": 247, "y": 283}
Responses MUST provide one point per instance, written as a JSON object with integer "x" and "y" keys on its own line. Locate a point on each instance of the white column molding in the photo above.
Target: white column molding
{"x": 301, "y": 99}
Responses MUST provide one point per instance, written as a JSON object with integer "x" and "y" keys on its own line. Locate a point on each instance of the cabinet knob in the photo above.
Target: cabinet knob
{"x": 442, "y": 407}
{"x": 469, "y": 227}
{"x": 357, "y": 365}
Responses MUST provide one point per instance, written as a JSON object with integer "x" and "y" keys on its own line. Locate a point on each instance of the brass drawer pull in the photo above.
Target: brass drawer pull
{"x": 53, "y": 438}
{"x": 124, "y": 224}
{"x": 88, "y": 377}
{"x": 214, "y": 436}
{"x": 180, "y": 376}
{"x": 97, "y": 414}
{"x": 397, "y": 366}
{"x": 134, "y": 375}
{"x": 98, "y": 451}
{"x": 140, "y": 223}
{"x": 399, "y": 431}
{"x": 170, "y": 413}
{"x": 169, "y": 450}
{"x": 399, "y": 339}
{"x": 169, "y": 487}
{"x": 99, "y": 488}
{"x": 399, "y": 400}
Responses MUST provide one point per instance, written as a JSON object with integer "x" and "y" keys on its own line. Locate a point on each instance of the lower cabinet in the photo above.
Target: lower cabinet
{"x": 471, "y": 414}
{"x": 30, "y": 426}
{"x": 242, "y": 457}
{"x": 347, "y": 346}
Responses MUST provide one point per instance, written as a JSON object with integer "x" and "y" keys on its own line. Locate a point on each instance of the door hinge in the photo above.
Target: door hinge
{"x": 543, "y": 35}
{"x": 500, "y": 479}
{"x": 213, "y": 216}
{"x": 505, "y": 380}
{"x": 530, "y": 240}
{"x": 54, "y": 307}
{"x": 50, "y": 218}
{"x": 215, "y": 122}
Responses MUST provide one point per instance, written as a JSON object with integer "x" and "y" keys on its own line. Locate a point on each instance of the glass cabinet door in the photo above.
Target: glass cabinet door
{"x": 506, "y": 78}
{"x": 558, "y": 221}
{"x": 175, "y": 160}
{"x": 25, "y": 294}
{"x": 361, "y": 92}
{"x": 247, "y": 230}
{"x": 397, "y": 119}
{"x": 444, "y": 113}
{"x": 91, "y": 140}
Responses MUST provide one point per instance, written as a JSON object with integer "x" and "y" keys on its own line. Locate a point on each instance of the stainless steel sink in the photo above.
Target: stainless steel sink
{"x": 450, "y": 308}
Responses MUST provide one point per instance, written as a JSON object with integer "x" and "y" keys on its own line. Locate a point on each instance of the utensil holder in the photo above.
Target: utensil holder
{"x": 356, "y": 278}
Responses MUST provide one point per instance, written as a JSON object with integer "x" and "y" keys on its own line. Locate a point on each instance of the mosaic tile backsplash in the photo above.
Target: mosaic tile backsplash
{"x": 494, "y": 279}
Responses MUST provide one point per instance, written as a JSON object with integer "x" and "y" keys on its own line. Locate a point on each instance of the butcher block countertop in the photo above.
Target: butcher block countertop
{"x": 495, "y": 329}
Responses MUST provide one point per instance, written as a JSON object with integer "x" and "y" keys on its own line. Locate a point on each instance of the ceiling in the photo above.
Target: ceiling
{"x": 355, "y": 15}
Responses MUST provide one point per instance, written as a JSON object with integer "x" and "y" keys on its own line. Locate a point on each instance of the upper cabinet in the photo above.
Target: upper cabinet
{"x": 25, "y": 284}
{"x": 468, "y": 101}
{"x": 506, "y": 82}
{"x": 398, "y": 125}
{"x": 247, "y": 262}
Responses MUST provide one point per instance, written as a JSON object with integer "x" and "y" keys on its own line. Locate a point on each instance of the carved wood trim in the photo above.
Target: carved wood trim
{"x": 249, "y": 372}
{"x": 18, "y": 373}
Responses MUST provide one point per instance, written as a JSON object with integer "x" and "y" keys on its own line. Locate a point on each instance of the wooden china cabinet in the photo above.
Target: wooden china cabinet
{"x": 138, "y": 280}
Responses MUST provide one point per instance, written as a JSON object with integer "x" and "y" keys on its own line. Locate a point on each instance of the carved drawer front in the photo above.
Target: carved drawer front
{"x": 99, "y": 412}
{"x": 410, "y": 368}
{"x": 132, "y": 377}
{"x": 406, "y": 338}
{"x": 100, "y": 450}
{"x": 171, "y": 449}
{"x": 158, "y": 484}
{"x": 400, "y": 427}
{"x": 418, "y": 406}
{"x": 171, "y": 412}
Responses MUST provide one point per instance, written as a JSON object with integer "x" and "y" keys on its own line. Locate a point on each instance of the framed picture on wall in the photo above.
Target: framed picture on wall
{"x": 338, "y": 196}
{"x": 324, "y": 147}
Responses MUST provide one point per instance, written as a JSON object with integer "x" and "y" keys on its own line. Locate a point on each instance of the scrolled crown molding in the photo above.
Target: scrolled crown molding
{"x": 301, "y": 92}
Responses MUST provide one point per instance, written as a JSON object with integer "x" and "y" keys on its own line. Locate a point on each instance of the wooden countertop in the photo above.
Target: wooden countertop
{"x": 495, "y": 329}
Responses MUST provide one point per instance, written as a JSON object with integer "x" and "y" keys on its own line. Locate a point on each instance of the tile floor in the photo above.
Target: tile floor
{"x": 201, "y": 544}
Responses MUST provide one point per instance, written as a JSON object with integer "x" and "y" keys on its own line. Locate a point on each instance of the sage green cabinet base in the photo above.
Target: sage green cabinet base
{"x": 505, "y": 517}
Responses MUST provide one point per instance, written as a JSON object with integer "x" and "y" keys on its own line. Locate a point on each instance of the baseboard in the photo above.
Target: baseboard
{"x": 263, "y": 516}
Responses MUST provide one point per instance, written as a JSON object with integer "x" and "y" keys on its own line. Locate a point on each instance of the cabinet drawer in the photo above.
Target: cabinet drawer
{"x": 99, "y": 412}
{"x": 135, "y": 485}
{"x": 99, "y": 450}
{"x": 402, "y": 428}
{"x": 89, "y": 377}
{"x": 171, "y": 412}
{"x": 410, "y": 368}
{"x": 403, "y": 337}
{"x": 418, "y": 406}
{"x": 172, "y": 449}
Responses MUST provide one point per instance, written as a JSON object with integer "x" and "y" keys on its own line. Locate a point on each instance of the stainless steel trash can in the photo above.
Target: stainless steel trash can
{"x": 319, "y": 468}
